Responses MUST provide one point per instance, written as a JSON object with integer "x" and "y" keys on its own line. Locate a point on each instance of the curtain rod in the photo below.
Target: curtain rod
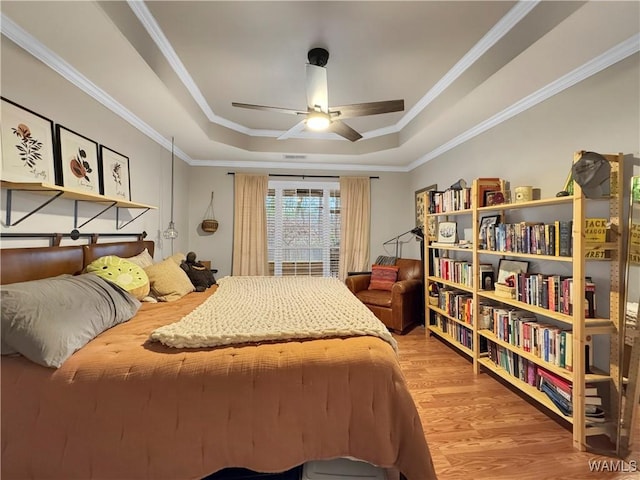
{"x": 302, "y": 176}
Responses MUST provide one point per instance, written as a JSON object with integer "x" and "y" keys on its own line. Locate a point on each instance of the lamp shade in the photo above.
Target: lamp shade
{"x": 171, "y": 232}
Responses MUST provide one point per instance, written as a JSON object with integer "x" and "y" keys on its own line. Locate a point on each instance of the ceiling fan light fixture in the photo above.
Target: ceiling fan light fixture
{"x": 318, "y": 121}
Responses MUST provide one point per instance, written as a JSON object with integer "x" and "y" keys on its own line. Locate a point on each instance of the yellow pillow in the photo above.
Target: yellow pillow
{"x": 123, "y": 273}
{"x": 168, "y": 281}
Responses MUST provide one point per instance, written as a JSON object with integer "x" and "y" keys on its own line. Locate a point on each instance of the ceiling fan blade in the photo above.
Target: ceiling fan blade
{"x": 371, "y": 108}
{"x": 344, "y": 130}
{"x": 317, "y": 94}
{"x": 268, "y": 109}
{"x": 297, "y": 128}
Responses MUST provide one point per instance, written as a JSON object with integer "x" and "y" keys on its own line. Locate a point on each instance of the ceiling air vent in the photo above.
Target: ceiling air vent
{"x": 295, "y": 157}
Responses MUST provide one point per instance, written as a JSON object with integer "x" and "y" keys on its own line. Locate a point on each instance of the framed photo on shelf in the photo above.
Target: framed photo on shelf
{"x": 27, "y": 145}
{"x": 422, "y": 204}
{"x": 114, "y": 174}
{"x": 506, "y": 268}
{"x": 77, "y": 161}
{"x": 447, "y": 232}
{"x": 485, "y": 223}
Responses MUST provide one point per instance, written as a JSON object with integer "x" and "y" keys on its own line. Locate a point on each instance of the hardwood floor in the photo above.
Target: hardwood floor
{"x": 478, "y": 428}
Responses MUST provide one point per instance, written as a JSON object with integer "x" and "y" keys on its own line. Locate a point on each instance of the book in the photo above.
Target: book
{"x": 555, "y": 380}
{"x": 595, "y": 231}
{"x": 594, "y": 415}
{"x": 592, "y": 400}
{"x": 591, "y": 390}
{"x": 590, "y": 299}
{"x": 568, "y": 350}
{"x": 557, "y": 400}
{"x": 564, "y": 236}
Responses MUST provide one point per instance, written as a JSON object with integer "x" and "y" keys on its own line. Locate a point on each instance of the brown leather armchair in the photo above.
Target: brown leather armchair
{"x": 399, "y": 308}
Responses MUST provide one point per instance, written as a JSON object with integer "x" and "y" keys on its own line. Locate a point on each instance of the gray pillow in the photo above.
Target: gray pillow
{"x": 47, "y": 320}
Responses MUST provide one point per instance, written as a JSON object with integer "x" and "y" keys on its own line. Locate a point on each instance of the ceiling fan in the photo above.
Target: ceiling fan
{"x": 319, "y": 116}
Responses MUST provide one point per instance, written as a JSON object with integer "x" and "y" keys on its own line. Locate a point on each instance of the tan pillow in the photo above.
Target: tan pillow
{"x": 143, "y": 259}
{"x": 168, "y": 281}
{"x": 177, "y": 258}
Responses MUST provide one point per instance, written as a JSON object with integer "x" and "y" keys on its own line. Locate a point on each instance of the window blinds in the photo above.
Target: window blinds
{"x": 303, "y": 228}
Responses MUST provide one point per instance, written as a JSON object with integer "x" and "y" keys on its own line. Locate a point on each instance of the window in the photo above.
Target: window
{"x": 303, "y": 228}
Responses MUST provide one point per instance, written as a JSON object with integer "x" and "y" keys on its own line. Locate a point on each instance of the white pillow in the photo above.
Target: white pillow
{"x": 143, "y": 259}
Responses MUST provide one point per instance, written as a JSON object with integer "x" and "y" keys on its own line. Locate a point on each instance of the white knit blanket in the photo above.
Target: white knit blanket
{"x": 258, "y": 309}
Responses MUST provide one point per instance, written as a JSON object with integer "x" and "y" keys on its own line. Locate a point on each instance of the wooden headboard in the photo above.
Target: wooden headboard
{"x": 120, "y": 249}
{"x": 23, "y": 264}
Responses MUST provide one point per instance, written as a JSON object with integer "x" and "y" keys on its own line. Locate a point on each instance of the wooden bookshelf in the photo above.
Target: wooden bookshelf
{"x": 574, "y": 209}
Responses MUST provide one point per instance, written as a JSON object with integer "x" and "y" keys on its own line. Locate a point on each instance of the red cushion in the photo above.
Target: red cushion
{"x": 383, "y": 277}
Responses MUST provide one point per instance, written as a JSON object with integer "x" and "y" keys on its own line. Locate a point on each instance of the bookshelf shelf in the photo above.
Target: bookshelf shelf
{"x": 465, "y": 211}
{"x": 529, "y": 390}
{"x": 561, "y": 372}
{"x": 449, "y": 283}
{"x": 554, "y": 258}
{"x": 452, "y": 247}
{"x": 566, "y": 211}
{"x": 531, "y": 204}
{"x": 438, "y": 331}
{"x": 561, "y": 317}
{"x": 453, "y": 319}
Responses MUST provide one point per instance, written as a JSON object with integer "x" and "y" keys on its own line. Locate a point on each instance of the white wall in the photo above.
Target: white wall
{"x": 392, "y": 212}
{"x": 31, "y": 84}
{"x": 600, "y": 114}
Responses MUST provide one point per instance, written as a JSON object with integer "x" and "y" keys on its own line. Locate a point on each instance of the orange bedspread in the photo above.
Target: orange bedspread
{"x": 125, "y": 408}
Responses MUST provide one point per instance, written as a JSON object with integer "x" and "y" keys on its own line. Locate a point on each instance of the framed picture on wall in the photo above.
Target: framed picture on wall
{"x": 114, "y": 174}
{"x": 422, "y": 204}
{"x": 77, "y": 161}
{"x": 27, "y": 145}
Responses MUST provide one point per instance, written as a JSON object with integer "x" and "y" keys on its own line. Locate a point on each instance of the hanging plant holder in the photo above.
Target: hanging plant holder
{"x": 209, "y": 224}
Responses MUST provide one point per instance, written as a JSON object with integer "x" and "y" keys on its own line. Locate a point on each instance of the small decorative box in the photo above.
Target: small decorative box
{"x": 505, "y": 291}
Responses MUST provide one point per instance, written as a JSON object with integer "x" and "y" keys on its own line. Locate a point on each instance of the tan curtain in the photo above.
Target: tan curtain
{"x": 250, "y": 225}
{"x": 355, "y": 229}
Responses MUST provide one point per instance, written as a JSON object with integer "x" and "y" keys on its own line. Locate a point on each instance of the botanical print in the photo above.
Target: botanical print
{"x": 27, "y": 145}
{"x": 79, "y": 161}
{"x": 115, "y": 174}
{"x": 29, "y": 150}
{"x": 80, "y": 167}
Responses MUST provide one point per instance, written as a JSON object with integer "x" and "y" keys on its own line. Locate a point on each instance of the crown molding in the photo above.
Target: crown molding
{"x": 499, "y": 30}
{"x": 20, "y": 37}
{"x": 597, "y": 64}
{"x": 297, "y": 165}
{"x": 26, "y": 41}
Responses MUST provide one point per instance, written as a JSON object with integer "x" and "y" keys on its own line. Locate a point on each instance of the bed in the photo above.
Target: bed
{"x": 125, "y": 407}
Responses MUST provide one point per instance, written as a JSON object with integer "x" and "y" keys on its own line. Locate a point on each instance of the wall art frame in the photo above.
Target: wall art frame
{"x": 448, "y": 232}
{"x": 28, "y": 147}
{"x": 77, "y": 161}
{"x": 422, "y": 204}
{"x": 114, "y": 174}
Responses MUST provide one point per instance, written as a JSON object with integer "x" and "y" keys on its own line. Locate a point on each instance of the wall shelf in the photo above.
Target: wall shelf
{"x": 55, "y": 191}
